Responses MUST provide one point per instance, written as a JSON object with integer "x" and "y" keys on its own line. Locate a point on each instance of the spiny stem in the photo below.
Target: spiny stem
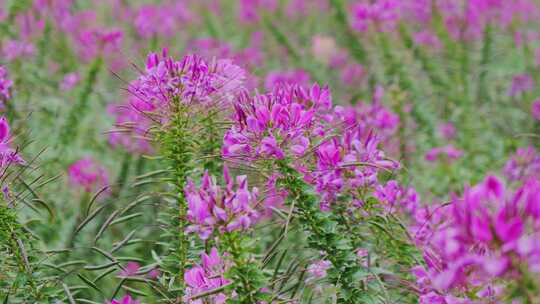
{"x": 323, "y": 236}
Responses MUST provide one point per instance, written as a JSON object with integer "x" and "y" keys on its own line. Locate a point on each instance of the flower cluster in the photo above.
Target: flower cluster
{"x": 397, "y": 198}
{"x": 8, "y": 155}
{"x": 449, "y": 152}
{"x": 212, "y": 208}
{"x": 125, "y": 300}
{"x": 133, "y": 124}
{"x": 88, "y": 175}
{"x": 192, "y": 80}
{"x": 485, "y": 236}
{"x": 525, "y": 163}
{"x": 381, "y": 14}
{"x": 163, "y": 19}
{"x": 206, "y": 277}
{"x": 5, "y": 85}
{"x": 277, "y": 124}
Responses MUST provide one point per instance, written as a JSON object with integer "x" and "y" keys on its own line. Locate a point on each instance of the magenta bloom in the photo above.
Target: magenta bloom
{"x": 210, "y": 207}
{"x": 447, "y": 130}
{"x": 249, "y": 10}
{"x": 427, "y": 38}
{"x": 275, "y": 78}
{"x": 521, "y": 84}
{"x": 381, "y": 14}
{"x": 450, "y": 153}
{"x": 317, "y": 270}
{"x": 205, "y": 277}
{"x": 14, "y": 49}
{"x": 525, "y": 163}
{"x": 130, "y": 270}
{"x": 277, "y": 124}
{"x": 193, "y": 80}
{"x": 125, "y": 300}
{"x": 5, "y": 85}
{"x": 352, "y": 74}
{"x": 132, "y": 125}
{"x": 535, "y": 109}
{"x": 88, "y": 175}
{"x": 8, "y": 155}
{"x": 395, "y": 197}
{"x": 480, "y": 239}
{"x": 162, "y": 20}
{"x": 70, "y": 80}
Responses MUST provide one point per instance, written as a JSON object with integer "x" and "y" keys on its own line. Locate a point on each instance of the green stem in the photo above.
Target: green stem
{"x": 177, "y": 144}
{"x": 79, "y": 109}
{"x": 324, "y": 234}
{"x": 482, "y": 92}
{"x": 353, "y": 43}
{"x": 247, "y": 275}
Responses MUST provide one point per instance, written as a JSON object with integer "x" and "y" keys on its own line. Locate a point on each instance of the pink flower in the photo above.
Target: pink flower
{"x": 381, "y": 14}
{"x": 352, "y": 74}
{"x": 130, "y": 270}
{"x": 535, "y": 109}
{"x": 14, "y": 49}
{"x": 449, "y": 152}
{"x": 525, "y": 163}
{"x": 521, "y": 84}
{"x": 249, "y": 10}
{"x": 88, "y": 174}
{"x": 447, "y": 130}
{"x": 153, "y": 274}
{"x": 205, "y": 277}
{"x": 69, "y": 81}
{"x": 482, "y": 239}
{"x": 211, "y": 207}
{"x": 125, "y": 300}
{"x": 5, "y": 85}
{"x": 394, "y": 196}
{"x": 317, "y": 270}
{"x": 298, "y": 77}
{"x": 8, "y": 155}
{"x": 427, "y": 38}
{"x": 163, "y": 19}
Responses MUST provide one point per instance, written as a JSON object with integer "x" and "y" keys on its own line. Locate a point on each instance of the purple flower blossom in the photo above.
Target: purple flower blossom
{"x": 447, "y": 130}
{"x": 8, "y": 155}
{"x": 450, "y": 153}
{"x": 428, "y": 39}
{"x": 317, "y": 270}
{"x": 393, "y": 196}
{"x": 132, "y": 125}
{"x": 210, "y": 207}
{"x": 381, "y": 14}
{"x": 525, "y": 163}
{"x": 125, "y": 300}
{"x": 535, "y": 109}
{"x": 14, "y": 49}
{"x": 5, "y": 85}
{"x": 298, "y": 77}
{"x": 486, "y": 235}
{"x": 276, "y": 124}
{"x": 88, "y": 175}
{"x": 249, "y": 10}
{"x": 130, "y": 270}
{"x": 161, "y": 20}
{"x": 70, "y": 80}
{"x": 205, "y": 277}
{"x": 521, "y": 84}
{"x": 193, "y": 80}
